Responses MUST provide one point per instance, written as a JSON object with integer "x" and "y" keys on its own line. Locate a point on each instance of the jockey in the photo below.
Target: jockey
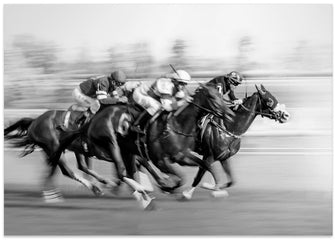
{"x": 226, "y": 85}
{"x": 166, "y": 93}
{"x": 101, "y": 89}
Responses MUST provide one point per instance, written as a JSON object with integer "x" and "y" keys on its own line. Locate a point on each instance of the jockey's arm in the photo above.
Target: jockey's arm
{"x": 101, "y": 88}
{"x": 130, "y": 86}
{"x": 167, "y": 103}
{"x": 232, "y": 96}
{"x": 170, "y": 103}
{"x": 114, "y": 100}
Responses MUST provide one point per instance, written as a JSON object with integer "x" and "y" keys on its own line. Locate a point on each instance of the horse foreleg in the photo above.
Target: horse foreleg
{"x": 226, "y": 167}
{"x": 69, "y": 173}
{"x": 216, "y": 170}
{"x": 163, "y": 181}
{"x": 175, "y": 173}
{"x": 187, "y": 194}
{"x": 82, "y": 165}
{"x": 88, "y": 162}
{"x": 115, "y": 154}
{"x": 194, "y": 160}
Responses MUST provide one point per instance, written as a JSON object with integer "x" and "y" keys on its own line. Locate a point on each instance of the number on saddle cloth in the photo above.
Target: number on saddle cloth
{"x": 124, "y": 124}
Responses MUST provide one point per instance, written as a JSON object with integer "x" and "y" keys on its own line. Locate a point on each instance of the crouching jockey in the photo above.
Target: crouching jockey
{"x": 101, "y": 89}
{"x": 166, "y": 93}
{"x": 226, "y": 85}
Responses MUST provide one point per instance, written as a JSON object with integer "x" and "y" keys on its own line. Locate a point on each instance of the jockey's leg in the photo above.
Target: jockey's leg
{"x": 140, "y": 122}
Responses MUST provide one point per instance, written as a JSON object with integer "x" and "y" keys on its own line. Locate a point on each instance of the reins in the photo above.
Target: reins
{"x": 258, "y": 112}
{"x": 169, "y": 126}
{"x": 223, "y": 129}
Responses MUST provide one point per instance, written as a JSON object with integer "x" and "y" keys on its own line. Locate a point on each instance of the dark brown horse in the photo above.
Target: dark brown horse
{"x": 44, "y": 133}
{"x": 221, "y": 141}
{"x": 169, "y": 140}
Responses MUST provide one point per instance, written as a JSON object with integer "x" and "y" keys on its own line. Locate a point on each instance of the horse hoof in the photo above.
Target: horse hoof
{"x": 220, "y": 194}
{"x": 186, "y": 196}
{"x": 208, "y": 186}
{"x": 151, "y": 206}
{"x": 97, "y": 191}
{"x": 115, "y": 190}
{"x": 54, "y": 200}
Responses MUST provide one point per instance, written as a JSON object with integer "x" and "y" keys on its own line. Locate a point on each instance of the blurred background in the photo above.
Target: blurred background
{"x": 50, "y": 49}
{"x": 55, "y": 47}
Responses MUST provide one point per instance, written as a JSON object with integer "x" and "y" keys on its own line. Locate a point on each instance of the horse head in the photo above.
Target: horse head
{"x": 208, "y": 99}
{"x": 270, "y": 106}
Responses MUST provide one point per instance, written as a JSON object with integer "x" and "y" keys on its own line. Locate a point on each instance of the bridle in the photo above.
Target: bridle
{"x": 272, "y": 115}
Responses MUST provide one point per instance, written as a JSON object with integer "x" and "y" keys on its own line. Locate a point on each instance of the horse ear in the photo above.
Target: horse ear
{"x": 261, "y": 91}
{"x": 256, "y": 88}
{"x": 263, "y": 88}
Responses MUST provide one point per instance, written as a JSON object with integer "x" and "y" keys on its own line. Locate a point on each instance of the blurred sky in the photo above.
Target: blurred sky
{"x": 211, "y": 30}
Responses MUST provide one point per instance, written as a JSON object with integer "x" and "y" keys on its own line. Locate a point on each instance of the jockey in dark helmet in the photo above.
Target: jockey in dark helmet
{"x": 100, "y": 89}
{"x": 226, "y": 85}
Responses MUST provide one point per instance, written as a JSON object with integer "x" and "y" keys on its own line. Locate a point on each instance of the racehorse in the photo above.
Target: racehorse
{"x": 168, "y": 140}
{"x": 221, "y": 142}
{"x": 43, "y": 132}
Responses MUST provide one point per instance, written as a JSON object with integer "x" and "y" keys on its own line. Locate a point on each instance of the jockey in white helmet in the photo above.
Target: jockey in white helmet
{"x": 166, "y": 93}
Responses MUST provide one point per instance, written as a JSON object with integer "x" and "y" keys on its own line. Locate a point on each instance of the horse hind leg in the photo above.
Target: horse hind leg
{"x": 50, "y": 193}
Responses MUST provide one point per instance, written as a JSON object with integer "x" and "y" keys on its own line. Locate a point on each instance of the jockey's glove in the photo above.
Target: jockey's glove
{"x": 123, "y": 99}
{"x": 237, "y": 102}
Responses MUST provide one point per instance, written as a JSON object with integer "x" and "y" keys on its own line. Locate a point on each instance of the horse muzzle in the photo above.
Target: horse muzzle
{"x": 284, "y": 116}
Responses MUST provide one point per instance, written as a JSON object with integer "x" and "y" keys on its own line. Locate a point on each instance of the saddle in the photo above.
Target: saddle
{"x": 209, "y": 118}
{"x": 73, "y": 121}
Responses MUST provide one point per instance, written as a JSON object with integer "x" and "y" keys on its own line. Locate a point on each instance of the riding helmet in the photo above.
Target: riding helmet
{"x": 235, "y": 78}
{"x": 182, "y": 76}
{"x": 119, "y": 76}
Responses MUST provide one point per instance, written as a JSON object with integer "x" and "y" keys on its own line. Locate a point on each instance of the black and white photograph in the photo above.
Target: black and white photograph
{"x": 166, "y": 119}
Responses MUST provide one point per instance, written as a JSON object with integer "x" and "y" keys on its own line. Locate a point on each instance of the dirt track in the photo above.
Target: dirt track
{"x": 281, "y": 194}
{"x": 243, "y": 213}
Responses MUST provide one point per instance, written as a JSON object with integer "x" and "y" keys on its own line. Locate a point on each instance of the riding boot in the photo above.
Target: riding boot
{"x": 84, "y": 118}
{"x": 140, "y": 122}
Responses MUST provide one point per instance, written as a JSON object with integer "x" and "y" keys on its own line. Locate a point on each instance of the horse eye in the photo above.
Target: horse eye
{"x": 270, "y": 102}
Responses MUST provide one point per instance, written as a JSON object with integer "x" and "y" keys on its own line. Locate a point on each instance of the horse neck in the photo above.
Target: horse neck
{"x": 187, "y": 119}
{"x": 244, "y": 118}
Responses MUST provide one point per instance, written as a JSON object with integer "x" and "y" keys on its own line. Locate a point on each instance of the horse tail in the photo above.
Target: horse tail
{"x": 21, "y": 136}
{"x": 21, "y": 126}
